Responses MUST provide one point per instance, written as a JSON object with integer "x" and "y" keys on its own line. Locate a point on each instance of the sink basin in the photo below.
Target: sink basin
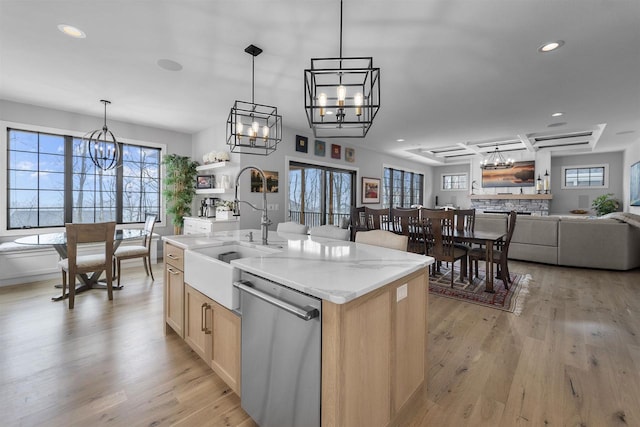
{"x": 214, "y": 277}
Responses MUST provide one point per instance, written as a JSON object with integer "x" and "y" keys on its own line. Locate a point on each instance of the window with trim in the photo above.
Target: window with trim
{"x": 589, "y": 176}
{"x": 454, "y": 182}
{"x": 401, "y": 189}
{"x": 51, "y": 180}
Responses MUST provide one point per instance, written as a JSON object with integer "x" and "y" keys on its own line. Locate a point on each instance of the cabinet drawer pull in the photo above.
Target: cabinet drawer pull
{"x": 172, "y": 256}
{"x": 203, "y": 318}
{"x": 172, "y": 271}
{"x": 203, "y": 314}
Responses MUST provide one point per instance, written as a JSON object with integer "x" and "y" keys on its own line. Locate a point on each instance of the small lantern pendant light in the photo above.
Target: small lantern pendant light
{"x": 102, "y": 145}
{"x": 253, "y": 128}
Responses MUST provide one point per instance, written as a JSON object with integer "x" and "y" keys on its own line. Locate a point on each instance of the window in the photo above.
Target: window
{"x": 320, "y": 195}
{"x": 51, "y": 180}
{"x": 401, "y": 189}
{"x": 454, "y": 182}
{"x": 589, "y": 176}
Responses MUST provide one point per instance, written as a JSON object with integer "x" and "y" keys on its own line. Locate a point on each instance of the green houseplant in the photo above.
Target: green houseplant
{"x": 605, "y": 204}
{"x": 179, "y": 187}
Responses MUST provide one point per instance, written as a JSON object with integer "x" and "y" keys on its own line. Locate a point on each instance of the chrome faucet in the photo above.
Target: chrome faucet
{"x": 264, "y": 222}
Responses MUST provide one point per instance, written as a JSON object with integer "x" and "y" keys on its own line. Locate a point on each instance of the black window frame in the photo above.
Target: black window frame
{"x": 415, "y": 196}
{"x": 68, "y": 208}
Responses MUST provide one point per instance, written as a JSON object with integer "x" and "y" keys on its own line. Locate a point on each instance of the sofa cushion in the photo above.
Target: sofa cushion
{"x": 536, "y": 230}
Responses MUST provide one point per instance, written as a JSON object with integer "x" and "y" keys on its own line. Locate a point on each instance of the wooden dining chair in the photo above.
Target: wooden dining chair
{"x": 383, "y": 238}
{"x": 377, "y": 219}
{"x": 138, "y": 251}
{"x": 357, "y": 221}
{"x": 500, "y": 254}
{"x": 74, "y": 264}
{"x": 465, "y": 220}
{"x": 439, "y": 227}
{"x": 408, "y": 223}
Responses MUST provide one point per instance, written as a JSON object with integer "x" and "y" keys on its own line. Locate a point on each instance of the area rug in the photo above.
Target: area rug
{"x": 511, "y": 300}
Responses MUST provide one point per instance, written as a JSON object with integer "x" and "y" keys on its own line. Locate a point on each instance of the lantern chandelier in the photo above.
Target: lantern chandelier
{"x": 102, "y": 145}
{"x": 342, "y": 95}
{"x": 496, "y": 161}
{"x": 253, "y": 128}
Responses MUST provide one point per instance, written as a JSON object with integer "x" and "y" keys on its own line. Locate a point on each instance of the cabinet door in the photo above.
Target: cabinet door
{"x": 197, "y": 324}
{"x": 225, "y": 360}
{"x": 174, "y": 298}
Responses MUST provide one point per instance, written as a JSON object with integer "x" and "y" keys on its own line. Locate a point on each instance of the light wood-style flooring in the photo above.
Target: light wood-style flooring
{"x": 571, "y": 359}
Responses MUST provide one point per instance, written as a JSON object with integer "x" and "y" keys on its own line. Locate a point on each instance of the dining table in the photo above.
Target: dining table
{"x": 59, "y": 242}
{"x": 488, "y": 239}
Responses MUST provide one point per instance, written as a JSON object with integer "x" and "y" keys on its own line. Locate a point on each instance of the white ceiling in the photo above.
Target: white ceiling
{"x": 454, "y": 73}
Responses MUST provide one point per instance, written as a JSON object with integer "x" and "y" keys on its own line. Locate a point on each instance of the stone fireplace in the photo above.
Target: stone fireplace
{"x": 527, "y": 204}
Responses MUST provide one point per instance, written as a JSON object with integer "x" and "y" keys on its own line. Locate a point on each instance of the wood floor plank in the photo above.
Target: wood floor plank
{"x": 572, "y": 358}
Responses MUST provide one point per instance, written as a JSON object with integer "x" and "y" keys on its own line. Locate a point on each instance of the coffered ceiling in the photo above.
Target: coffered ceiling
{"x": 458, "y": 77}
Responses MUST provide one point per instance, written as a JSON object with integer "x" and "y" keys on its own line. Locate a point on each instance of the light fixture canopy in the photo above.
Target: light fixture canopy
{"x": 102, "y": 145}
{"x": 342, "y": 95}
{"x": 496, "y": 161}
{"x": 253, "y": 128}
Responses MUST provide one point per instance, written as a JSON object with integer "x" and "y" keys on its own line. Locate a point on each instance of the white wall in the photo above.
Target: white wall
{"x": 176, "y": 142}
{"x": 565, "y": 200}
{"x": 367, "y": 163}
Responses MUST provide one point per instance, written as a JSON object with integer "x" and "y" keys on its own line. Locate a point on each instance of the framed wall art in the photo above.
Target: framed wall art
{"x": 370, "y": 190}
{"x": 350, "y": 155}
{"x": 302, "y": 143}
{"x": 204, "y": 181}
{"x": 522, "y": 174}
{"x": 336, "y": 151}
{"x": 320, "y": 148}
{"x": 256, "y": 181}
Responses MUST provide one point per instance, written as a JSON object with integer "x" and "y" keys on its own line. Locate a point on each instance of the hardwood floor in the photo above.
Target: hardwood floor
{"x": 571, "y": 359}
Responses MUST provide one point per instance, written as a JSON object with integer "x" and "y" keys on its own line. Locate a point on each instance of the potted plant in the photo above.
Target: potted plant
{"x": 179, "y": 187}
{"x": 605, "y": 204}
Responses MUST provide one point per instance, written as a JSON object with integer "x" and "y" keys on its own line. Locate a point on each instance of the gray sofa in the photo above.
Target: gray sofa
{"x": 572, "y": 241}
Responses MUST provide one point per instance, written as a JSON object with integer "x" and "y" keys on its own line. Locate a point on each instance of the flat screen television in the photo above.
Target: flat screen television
{"x": 522, "y": 174}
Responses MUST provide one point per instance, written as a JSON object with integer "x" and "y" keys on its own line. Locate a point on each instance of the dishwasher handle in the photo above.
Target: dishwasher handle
{"x": 304, "y": 313}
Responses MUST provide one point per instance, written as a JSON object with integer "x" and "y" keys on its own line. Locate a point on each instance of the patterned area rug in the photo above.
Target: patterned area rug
{"x": 511, "y": 300}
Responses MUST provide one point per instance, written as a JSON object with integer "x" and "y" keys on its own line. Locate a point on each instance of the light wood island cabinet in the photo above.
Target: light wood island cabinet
{"x": 213, "y": 332}
{"x": 174, "y": 288}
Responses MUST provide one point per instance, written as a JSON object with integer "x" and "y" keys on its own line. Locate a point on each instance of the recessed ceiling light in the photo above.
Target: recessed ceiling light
{"x": 72, "y": 31}
{"x": 551, "y": 46}
{"x": 558, "y": 114}
{"x": 169, "y": 65}
{"x": 399, "y": 140}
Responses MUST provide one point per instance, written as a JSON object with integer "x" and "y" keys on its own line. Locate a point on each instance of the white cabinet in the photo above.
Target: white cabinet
{"x": 193, "y": 225}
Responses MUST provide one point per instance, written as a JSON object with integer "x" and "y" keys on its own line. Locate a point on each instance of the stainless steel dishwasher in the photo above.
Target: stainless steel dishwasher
{"x": 281, "y": 353}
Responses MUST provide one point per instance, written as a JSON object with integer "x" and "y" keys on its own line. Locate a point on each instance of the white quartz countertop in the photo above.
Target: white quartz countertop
{"x": 333, "y": 270}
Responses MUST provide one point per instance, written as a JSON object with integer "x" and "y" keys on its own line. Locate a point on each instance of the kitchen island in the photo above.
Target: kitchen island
{"x": 373, "y": 321}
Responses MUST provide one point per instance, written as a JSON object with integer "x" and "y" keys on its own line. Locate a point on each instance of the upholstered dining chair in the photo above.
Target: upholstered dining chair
{"x": 500, "y": 254}
{"x": 440, "y": 225}
{"x": 138, "y": 251}
{"x": 377, "y": 219}
{"x": 330, "y": 231}
{"x": 408, "y": 223}
{"x": 383, "y": 238}
{"x": 292, "y": 227}
{"x": 75, "y": 264}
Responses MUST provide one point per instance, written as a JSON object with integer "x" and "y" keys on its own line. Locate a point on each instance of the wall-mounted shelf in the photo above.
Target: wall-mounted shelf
{"x": 212, "y": 191}
{"x": 511, "y": 196}
{"x": 212, "y": 166}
